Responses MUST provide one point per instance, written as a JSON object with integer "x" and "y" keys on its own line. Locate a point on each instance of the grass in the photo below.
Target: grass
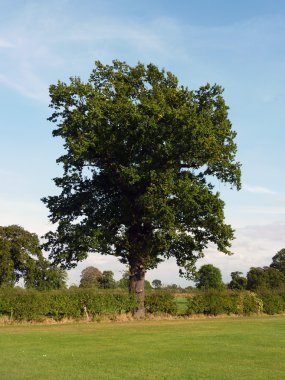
{"x": 181, "y": 304}
{"x": 220, "y": 348}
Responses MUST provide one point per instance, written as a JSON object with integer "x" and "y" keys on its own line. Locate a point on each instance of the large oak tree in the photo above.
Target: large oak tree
{"x": 142, "y": 154}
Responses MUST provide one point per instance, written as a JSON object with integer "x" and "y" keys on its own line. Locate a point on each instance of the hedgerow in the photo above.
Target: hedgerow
{"x": 273, "y": 301}
{"x": 224, "y": 302}
{"x": 160, "y": 302}
{"x": 21, "y": 304}
{"x": 32, "y": 305}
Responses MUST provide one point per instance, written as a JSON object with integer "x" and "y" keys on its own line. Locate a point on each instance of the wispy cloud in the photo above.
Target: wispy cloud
{"x": 258, "y": 190}
{"x": 5, "y": 44}
{"x": 49, "y": 41}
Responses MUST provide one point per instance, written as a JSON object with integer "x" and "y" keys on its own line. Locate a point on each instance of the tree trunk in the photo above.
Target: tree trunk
{"x": 136, "y": 286}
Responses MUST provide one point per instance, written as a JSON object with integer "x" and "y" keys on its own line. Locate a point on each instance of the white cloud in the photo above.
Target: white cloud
{"x": 254, "y": 246}
{"x": 258, "y": 190}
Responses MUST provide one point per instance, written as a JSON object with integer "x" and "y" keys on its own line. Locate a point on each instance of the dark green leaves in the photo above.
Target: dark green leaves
{"x": 141, "y": 152}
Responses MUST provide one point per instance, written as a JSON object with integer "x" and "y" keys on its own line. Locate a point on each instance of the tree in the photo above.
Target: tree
{"x": 142, "y": 154}
{"x": 44, "y": 276}
{"x": 90, "y": 277}
{"x": 19, "y": 254}
{"x": 278, "y": 261}
{"x": 107, "y": 280}
{"x": 157, "y": 284}
{"x": 21, "y": 258}
{"x": 123, "y": 283}
{"x": 264, "y": 278}
{"x": 238, "y": 282}
{"x": 209, "y": 277}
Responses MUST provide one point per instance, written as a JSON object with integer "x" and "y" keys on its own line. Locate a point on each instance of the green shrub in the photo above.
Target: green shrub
{"x": 160, "y": 302}
{"x": 273, "y": 302}
{"x": 224, "y": 302}
{"x": 22, "y": 304}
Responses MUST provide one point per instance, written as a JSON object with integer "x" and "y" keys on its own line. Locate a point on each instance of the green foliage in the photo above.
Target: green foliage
{"x": 147, "y": 285}
{"x": 32, "y": 305}
{"x": 22, "y": 304}
{"x": 21, "y": 258}
{"x": 278, "y": 261}
{"x": 273, "y": 300}
{"x": 224, "y": 302}
{"x": 160, "y": 302}
{"x": 264, "y": 278}
{"x": 238, "y": 282}
{"x": 209, "y": 277}
{"x": 123, "y": 283}
{"x": 45, "y": 276}
{"x": 90, "y": 277}
{"x": 141, "y": 153}
{"x": 107, "y": 280}
{"x": 19, "y": 254}
{"x": 157, "y": 284}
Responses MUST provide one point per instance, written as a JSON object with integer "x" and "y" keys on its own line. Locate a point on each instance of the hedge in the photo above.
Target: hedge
{"x": 32, "y": 305}
{"x": 224, "y": 302}
{"x": 273, "y": 301}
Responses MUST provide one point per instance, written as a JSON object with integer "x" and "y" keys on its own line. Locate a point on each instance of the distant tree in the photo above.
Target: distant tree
{"x": 278, "y": 261}
{"x": 107, "y": 280}
{"x": 90, "y": 277}
{"x": 141, "y": 151}
{"x": 21, "y": 258}
{"x": 172, "y": 286}
{"x": 157, "y": 284}
{"x": 264, "y": 278}
{"x": 44, "y": 276}
{"x": 209, "y": 277}
{"x": 238, "y": 282}
{"x": 73, "y": 286}
{"x": 147, "y": 285}
{"x": 123, "y": 283}
{"x": 19, "y": 251}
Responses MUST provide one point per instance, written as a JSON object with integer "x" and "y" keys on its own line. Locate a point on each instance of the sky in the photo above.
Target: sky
{"x": 238, "y": 44}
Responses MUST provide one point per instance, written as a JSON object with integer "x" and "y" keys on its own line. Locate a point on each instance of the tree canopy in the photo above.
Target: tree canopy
{"x": 238, "y": 282}
{"x": 90, "y": 277}
{"x": 142, "y": 154}
{"x": 21, "y": 258}
{"x": 278, "y": 261}
{"x": 264, "y": 278}
{"x": 209, "y": 277}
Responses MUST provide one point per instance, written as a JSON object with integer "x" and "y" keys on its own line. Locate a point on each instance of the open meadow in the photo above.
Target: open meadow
{"x": 211, "y": 348}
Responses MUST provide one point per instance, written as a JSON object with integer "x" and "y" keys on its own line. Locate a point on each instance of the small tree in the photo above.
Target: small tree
{"x": 90, "y": 277}
{"x": 157, "y": 284}
{"x": 238, "y": 282}
{"x": 141, "y": 154}
{"x": 209, "y": 277}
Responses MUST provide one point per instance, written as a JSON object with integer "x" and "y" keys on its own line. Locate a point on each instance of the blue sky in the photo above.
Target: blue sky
{"x": 237, "y": 44}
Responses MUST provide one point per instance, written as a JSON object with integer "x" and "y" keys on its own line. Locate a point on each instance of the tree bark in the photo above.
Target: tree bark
{"x": 136, "y": 286}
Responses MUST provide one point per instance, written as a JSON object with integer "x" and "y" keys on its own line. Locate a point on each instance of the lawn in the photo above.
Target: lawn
{"x": 219, "y": 348}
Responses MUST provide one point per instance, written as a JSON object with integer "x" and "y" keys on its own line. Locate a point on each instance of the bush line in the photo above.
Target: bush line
{"x": 32, "y": 305}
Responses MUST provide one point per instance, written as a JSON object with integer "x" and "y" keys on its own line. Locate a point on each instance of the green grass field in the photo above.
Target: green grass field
{"x": 220, "y": 348}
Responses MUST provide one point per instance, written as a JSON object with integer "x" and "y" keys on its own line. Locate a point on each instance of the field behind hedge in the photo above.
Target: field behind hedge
{"x": 212, "y": 348}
